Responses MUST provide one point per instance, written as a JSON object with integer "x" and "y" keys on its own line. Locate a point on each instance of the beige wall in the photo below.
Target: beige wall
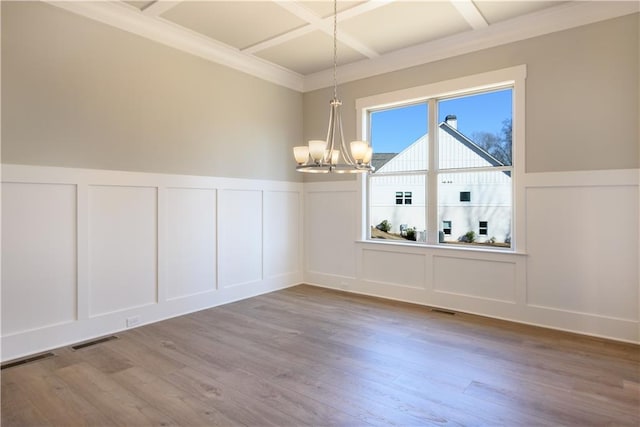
{"x": 582, "y": 95}
{"x": 76, "y": 93}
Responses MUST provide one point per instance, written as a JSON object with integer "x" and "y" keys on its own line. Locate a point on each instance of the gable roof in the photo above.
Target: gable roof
{"x": 470, "y": 144}
{"x": 378, "y": 160}
{"x": 386, "y": 161}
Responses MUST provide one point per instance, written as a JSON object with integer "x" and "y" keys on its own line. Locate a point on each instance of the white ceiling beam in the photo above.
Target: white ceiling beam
{"x": 470, "y": 13}
{"x": 278, "y": 40}
{"x": 159, "y": 7}
{"x": 347, "y": 14}
{"x": 362, "y": 9}
{"x": 326, "y": 26}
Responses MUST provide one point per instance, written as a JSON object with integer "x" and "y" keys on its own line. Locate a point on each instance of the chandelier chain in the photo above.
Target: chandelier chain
{"x": 335, "y": 48}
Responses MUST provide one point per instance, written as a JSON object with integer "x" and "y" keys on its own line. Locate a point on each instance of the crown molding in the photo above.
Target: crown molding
{"x": 121, "y": 16}
{"x": 557, "y": 18}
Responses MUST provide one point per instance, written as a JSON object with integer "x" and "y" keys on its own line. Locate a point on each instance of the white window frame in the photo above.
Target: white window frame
{"x": 514, "y": 77}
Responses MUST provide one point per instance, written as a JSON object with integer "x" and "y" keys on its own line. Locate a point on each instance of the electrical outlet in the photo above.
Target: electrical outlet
{"x": 344, "y": 284}
{"x": 133, "y": 321}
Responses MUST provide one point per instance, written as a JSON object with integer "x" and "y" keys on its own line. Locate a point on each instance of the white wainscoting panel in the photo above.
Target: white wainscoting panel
{"x": 281, "y": 233}
{"x": 122, "y": 248}
{"x": 576, "y": 265}
{"x": 191, "y": 241}
{"x": 330, "y": 231}
{"x": 394, "y": 268}
{"x": 87, "y": 253}
{"x": 38, "y": 256}
{"x": 583, "y": 249}
{"x": 493, "y": 280}
{"x": 240, "y": 237}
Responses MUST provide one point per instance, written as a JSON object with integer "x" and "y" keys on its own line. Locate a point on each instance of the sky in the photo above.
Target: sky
{"x": 395, "y": 129}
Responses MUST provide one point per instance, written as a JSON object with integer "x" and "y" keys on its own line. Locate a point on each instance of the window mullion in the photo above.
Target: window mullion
{"x": 431, "y": 189}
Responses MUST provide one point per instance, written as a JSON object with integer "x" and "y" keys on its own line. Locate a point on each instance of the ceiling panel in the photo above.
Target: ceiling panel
{"x": 140, "y": 4}
{"x": 496, "y": 11}
{"x": 239, "y": 24}
{"x": 309, "y": 53}
{"x": 403, "y": 24}
{"x": 325, "y": 8}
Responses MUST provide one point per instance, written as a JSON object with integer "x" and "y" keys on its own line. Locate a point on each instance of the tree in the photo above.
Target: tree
{"x": 496, "y": 144}
{"x": 506, "y": 137}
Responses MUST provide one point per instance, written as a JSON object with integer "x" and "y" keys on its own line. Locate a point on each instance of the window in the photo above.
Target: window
{"x": 483, "y": 228}
{"x": 406, "y": 172}
{"x": 407, "y": 197}
{"x": 471, "y": 150}
{"x": 446, "y": 227}
{"x": 403, "y": 200}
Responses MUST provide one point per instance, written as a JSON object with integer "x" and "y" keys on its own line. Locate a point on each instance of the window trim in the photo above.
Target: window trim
{"x": 512, "y": 76}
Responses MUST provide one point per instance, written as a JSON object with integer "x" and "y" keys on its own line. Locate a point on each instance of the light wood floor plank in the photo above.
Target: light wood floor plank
{"x": 311, "y": 356}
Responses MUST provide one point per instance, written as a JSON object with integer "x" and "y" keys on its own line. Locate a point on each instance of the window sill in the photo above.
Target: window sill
{"x": 444, "y": 247}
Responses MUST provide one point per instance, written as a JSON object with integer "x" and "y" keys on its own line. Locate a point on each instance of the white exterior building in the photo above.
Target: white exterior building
{"x": 467, "y": 201}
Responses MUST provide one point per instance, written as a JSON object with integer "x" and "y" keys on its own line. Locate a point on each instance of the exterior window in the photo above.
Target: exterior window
{"x": 483, "y": 228}
{"x": 403, "y": 200}
{"x": 397, "y": 167}
{"x": 441, "y": 148}
{"x": 446, "y": 227}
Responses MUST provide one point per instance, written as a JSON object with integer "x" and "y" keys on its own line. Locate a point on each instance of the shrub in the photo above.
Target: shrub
{"x": 384, "y": 226}
{"x": 410, "y": 234}
{"x": 468, "y": 237}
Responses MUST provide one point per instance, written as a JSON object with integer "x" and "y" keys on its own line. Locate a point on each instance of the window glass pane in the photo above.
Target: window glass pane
{"x": 446, "y": 228}
{"x": 491, "y": 203}
{"x": 475, "y": 130}
{"x": 399, "y": 138}
{"x": 397, "y": 222}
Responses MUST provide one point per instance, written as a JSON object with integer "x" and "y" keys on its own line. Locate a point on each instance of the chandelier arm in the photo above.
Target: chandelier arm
{"x": 331, "y": 133}
{"x": 346, "y": 151}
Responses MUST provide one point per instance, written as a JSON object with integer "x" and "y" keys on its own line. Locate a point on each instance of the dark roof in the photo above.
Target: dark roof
{"x": 470, "y": 144}
{"x": 380, "y": 159}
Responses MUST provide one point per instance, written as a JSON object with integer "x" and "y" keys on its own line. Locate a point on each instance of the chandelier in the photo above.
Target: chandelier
{"x": 332, "y": 155}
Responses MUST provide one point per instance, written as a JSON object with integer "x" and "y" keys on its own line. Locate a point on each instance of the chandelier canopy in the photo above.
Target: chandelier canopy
{"x": 332, "y": 155}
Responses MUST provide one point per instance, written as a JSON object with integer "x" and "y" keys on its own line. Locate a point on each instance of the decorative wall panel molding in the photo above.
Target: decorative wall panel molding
{"x": 87, "y": 253}
{"x": 579, "y": 271}
{"x": 38, "y": 256}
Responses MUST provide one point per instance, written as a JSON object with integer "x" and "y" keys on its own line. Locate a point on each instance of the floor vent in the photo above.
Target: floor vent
{"x": 442, "y": 311}
{"x": 94, "y": 342}
{"x": 27, "y": 360}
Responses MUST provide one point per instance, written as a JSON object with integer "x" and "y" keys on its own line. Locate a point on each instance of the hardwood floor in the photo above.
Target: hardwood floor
{"x": 311, "y": 356}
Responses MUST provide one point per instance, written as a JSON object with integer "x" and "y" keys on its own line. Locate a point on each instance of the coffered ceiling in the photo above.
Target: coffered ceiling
{"x": 290, "y": 42}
